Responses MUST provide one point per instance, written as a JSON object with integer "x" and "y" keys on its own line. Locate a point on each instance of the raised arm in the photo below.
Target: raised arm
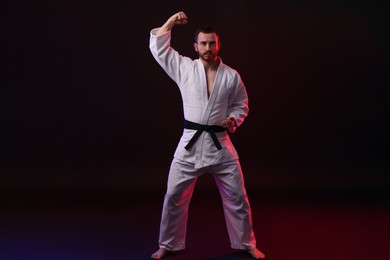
{"x": 178, "y": 18}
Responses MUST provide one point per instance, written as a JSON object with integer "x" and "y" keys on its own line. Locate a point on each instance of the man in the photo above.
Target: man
{"x": 214, "y": 100}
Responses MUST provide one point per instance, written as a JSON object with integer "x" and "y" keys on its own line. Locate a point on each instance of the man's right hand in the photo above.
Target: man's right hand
{"x": 177, "y": 18}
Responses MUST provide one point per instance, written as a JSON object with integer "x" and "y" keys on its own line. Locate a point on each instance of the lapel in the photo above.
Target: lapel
{"x": 208, "y": 102}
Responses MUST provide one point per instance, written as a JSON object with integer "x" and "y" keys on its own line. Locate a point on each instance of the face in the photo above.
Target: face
{"x": 207, "y": 46}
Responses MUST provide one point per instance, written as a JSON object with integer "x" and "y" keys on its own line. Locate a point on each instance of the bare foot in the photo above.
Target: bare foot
{"x": 159, "y": 253}
{"x": 256, "y": 253}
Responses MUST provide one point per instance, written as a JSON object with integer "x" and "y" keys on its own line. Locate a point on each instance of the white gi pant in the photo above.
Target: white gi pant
{"x": 230, "y": 182}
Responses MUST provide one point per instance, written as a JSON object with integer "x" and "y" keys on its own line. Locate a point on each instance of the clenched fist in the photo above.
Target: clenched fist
{"x": 179, "y": 18}
{"x": 229, "y": 122}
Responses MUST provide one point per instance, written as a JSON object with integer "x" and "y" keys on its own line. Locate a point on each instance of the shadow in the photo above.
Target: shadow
{"x": 231, "y": 256}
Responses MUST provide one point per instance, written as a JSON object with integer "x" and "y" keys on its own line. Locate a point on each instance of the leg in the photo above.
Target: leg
{"x": 238, "y": 216}
{"x": 181, "y": 182}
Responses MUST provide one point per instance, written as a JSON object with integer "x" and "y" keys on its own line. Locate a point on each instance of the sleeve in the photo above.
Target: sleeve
{"x": 238, "y": 102}
{"x": 168, "y": 58}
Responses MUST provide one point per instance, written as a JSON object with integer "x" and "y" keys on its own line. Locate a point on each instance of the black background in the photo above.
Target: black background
{"x": 84, "y": 106}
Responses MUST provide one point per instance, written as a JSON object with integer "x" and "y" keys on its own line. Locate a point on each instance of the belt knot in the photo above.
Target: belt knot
{"x": 211, "y": 129}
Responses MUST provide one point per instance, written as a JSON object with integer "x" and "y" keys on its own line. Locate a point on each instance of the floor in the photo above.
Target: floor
{"x": 119, "y": 226}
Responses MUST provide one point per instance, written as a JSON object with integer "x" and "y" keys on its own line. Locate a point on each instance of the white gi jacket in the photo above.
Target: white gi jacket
{"x": 228, "y": 98}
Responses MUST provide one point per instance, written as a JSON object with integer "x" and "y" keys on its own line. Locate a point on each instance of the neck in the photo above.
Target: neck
{"x": 210, "y": 65}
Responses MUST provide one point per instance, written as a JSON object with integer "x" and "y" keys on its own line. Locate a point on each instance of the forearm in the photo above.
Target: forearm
{"x": 167, "y": 26}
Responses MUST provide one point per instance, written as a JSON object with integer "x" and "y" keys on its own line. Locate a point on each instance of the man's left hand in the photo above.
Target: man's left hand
{"x": 229, "y": 122}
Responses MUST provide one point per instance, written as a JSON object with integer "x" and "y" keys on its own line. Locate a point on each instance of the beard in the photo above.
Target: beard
{"x": 207, "y": 56}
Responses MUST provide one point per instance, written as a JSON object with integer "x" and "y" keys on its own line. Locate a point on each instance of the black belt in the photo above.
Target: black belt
{"x": 211, "y": 129}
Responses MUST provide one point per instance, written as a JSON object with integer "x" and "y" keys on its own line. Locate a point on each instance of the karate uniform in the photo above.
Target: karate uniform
{"x": 228, "y": 98}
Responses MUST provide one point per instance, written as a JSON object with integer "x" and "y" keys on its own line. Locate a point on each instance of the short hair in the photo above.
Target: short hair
{"x": 205, "y": 29}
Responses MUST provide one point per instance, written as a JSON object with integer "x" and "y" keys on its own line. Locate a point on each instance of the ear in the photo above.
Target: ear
{"x": 196, "y": 47}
